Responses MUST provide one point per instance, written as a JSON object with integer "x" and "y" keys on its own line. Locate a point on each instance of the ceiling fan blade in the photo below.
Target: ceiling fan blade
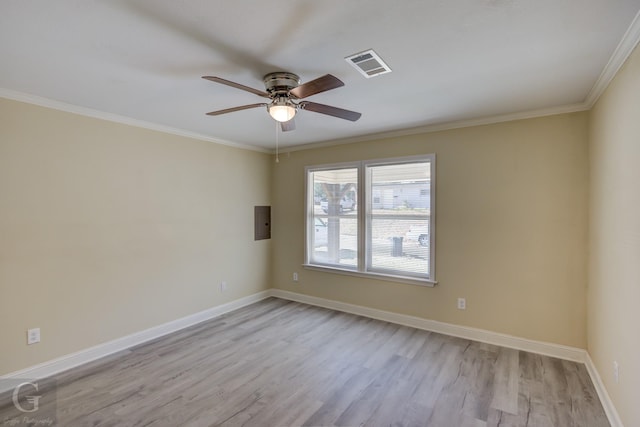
{"x": 288, "y": 125}
{"x": 321, "y": 84}
{"x": 330, "y": 111}
{"x": 231, "y": 110}
{"x": 236, "y": 85}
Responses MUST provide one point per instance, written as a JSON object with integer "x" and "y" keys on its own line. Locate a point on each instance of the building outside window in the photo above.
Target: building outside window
{"x": 373, "y": 217}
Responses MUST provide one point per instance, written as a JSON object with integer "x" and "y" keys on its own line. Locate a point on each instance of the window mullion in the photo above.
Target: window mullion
{"x": 393, "y": 222}
{"x": 363, "y": 228}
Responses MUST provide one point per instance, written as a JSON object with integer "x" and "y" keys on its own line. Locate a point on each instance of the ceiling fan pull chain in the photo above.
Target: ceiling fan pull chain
{"x": 277, "y": 137}
{"x": 284, "y": 90}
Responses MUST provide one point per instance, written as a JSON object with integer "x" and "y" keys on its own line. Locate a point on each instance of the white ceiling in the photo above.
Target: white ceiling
{"x": 452, "y": 60}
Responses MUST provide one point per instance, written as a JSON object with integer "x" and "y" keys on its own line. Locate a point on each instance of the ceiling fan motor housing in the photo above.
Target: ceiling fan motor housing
{"x": 280, "y": 83}
{"x": 285, "y": 92}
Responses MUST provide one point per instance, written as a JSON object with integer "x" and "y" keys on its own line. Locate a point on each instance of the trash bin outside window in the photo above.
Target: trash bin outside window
{"x": 396, "y": 246}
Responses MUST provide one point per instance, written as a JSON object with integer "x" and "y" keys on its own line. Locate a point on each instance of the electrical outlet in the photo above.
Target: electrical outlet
{"x": 616, "y": 371}
{"x": 462, "y": 304}
{"x": 33, "y": 336}
{"x": 295, "y": 277}
{"x": 223, "y": 286}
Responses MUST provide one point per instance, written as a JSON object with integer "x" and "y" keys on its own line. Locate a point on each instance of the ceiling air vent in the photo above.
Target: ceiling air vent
{"x": 368, "y": 63}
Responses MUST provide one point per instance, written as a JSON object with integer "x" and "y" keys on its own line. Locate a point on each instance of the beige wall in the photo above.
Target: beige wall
{"x": 511, "y": 228}
{"x": 614, "y": 230}
{"x": 107, "y": 229}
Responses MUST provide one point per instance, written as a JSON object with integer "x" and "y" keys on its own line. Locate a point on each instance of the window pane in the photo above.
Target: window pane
{"x": 333, "y": 228}
{"x": 346, "y": 251}
{"x": 399, "y": 212}
{"x": 400, "y": 245}
{"x": 392, "y": 236}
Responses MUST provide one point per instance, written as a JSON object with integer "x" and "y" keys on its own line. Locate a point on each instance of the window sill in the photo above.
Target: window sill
{"x": 377, "y": 276}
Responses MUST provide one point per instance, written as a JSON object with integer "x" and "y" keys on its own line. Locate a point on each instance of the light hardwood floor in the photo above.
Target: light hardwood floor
{"x": 281, "y": 363}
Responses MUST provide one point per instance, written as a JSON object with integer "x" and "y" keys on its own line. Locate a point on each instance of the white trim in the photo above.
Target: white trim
{"x": 618, "y": 58}
{"x": 60, "y": 364}
{"x": 548, "y": 349}
{"x": 371, "y": 275}
{"x": 605, "y": 399}
{"x": 368, "y": 165}
{"x": 73, "y": 360}
{"x": 364, "y": 264}
{"x": 624, "y": 49}
{"x": 437, "y": 127}
{"x": 116, "y": 118}
{"x": 626, "y": 46}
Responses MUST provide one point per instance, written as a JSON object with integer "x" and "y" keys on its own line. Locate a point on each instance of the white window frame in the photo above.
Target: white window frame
{"x": 309, "y": 206}
{"x": 363, "y": 268}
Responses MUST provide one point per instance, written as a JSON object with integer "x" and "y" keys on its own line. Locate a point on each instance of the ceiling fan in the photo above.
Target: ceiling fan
{"x": 285, "y": 92}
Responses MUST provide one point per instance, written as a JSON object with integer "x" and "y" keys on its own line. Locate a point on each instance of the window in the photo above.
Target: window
{"x": 373, "y": 218}
{"x": 332, "y": 226}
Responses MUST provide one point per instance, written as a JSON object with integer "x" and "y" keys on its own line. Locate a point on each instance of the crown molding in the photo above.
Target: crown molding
{"x": 627, "y": 44}
{"x": 438, "y": 127}
{"x": 618, "y": 58}
{"x": 624, "y": 49}
{"x": 102, "y": 115}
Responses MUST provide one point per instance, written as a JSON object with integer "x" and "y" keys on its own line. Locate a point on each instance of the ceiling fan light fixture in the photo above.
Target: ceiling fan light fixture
{"x": 282, "y": 110}
{"x": 287, "y": 95}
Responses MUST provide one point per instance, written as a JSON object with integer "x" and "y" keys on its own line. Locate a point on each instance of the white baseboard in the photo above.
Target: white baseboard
{"x": 81, "y": 357}
{"x": 73, "y": 360}
{"x": 548, "y": 349}
{"x": 605, "y": 399}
